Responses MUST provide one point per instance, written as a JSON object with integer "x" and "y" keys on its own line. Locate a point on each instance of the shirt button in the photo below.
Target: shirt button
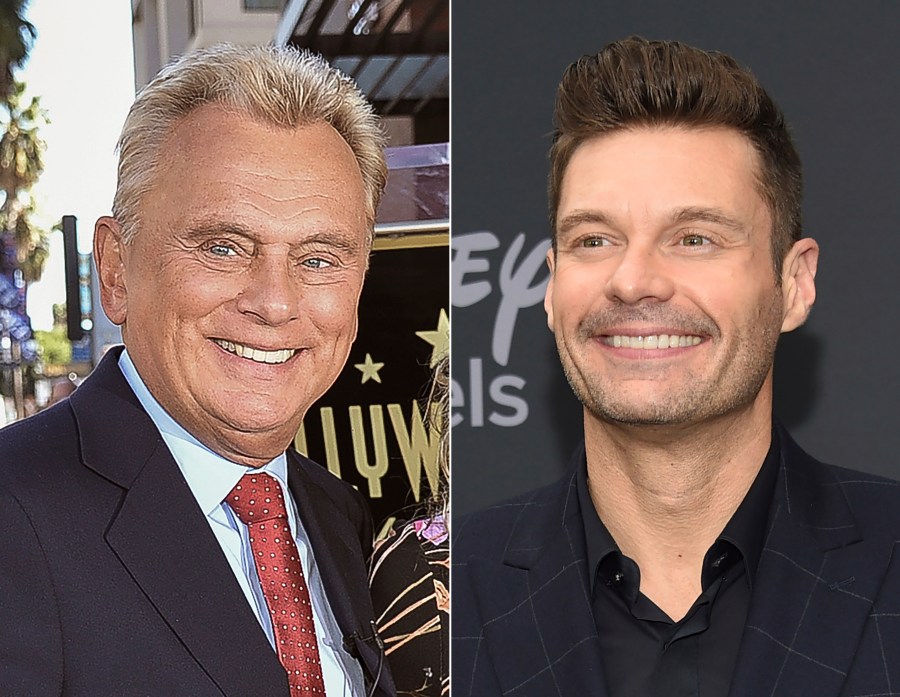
{"x": 718, "y": 562}
{"x": 618, "y": 577}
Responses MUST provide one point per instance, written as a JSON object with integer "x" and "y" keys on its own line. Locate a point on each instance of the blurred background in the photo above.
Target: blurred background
{"x": 68, "y": 74}
{"x": 69, "y": 80}
{"x": 832, "y": 67}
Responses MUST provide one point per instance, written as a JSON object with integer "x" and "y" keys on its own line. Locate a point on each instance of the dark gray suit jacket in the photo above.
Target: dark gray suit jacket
{"x": 824, "y": 618}
{"x": 111, "y": 580}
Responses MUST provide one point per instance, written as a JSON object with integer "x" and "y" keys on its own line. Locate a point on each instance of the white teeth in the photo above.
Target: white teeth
{"x": 255, "y": 354}
{"x": 655, "y": 341}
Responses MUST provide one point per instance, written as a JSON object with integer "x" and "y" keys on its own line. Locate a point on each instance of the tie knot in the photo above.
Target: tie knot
{"x": 257, "y": 498}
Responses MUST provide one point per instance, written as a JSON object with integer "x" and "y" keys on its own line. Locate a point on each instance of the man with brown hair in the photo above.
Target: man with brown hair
{"x": 694, "y": 548}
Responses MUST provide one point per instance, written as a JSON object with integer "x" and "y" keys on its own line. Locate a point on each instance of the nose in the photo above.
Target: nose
{"x": 271, "y": 294}
{"x": 641, "y": 274}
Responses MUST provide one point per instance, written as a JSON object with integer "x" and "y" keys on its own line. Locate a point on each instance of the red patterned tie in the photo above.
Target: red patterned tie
{"x": 259, "y": 503}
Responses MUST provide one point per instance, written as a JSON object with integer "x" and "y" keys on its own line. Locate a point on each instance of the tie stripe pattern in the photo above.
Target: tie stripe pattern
{"x": 258, "y": 501}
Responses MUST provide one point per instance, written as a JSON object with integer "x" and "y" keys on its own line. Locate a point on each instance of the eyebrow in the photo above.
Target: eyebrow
{"x": 688, "y": 214}
{"x": 211, "y": 228}
{"x": 581, "y": 217}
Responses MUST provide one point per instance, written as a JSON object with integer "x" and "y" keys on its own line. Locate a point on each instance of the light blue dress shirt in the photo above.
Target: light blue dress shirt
{"x": 211, "y": 478}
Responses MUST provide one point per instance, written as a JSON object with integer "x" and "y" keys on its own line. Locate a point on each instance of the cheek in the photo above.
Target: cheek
{"x": 746, "y": 308}
{"x": 574, "y": 292}
{"x": 176, "y": 287}
{"x": 181, "y": 309}
{"x": 333, "y": 309}
{"x": 194, "y": 294}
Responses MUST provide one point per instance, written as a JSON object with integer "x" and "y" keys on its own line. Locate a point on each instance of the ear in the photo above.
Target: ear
{"x": 798, "y": 282}
{"x": 548, "y": 295}
{"x": 109, "y": 257}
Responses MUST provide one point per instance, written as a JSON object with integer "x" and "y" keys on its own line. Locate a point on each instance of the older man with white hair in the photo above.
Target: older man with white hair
{"x": 160, "y": 536}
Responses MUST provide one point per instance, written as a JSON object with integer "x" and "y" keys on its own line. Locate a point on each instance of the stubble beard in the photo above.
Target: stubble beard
{"x": 732, "y": 384}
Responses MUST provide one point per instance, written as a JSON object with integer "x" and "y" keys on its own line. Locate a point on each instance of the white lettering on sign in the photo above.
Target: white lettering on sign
{"x": 521, "y": 281}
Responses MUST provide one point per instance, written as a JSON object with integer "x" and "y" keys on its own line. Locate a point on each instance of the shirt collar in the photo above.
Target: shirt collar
{"x": 209, "y": 475}
{"x": 600, "y": 543}
{"x": 746, "y": 529}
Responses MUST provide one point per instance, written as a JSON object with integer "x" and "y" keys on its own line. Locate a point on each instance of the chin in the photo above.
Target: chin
{"x": 255, "y": 444}
{"x": 607, "y": 405}
{"x": 625, "y": 417}
{"x": 262, "y": 424}
{"x": 246, "y": 416}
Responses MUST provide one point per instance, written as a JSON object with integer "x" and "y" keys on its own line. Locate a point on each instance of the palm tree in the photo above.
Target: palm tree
{"x": 16, "y": 35}
{"x": 21, "y": 164}
{"x": 23, "y": 246}
{"x": 21, "y": 150}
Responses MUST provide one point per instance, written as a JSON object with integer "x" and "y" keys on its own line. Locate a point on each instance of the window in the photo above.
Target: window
{"x": 264, "y": 5}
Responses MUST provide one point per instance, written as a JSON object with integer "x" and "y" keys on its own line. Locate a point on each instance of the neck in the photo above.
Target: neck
{"x": 665, "y": 493}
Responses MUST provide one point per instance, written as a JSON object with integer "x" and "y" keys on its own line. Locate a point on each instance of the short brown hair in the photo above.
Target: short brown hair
{"x": 636, "y": 83}
{"x": 279, "y": 85}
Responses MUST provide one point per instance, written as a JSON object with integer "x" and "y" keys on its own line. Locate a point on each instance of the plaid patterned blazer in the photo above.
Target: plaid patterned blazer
{"x": 824, "y": 619}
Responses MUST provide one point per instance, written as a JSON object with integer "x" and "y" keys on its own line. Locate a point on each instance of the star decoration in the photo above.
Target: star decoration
{"x": 439, "y": 338}
{"x": 369, "y": 369}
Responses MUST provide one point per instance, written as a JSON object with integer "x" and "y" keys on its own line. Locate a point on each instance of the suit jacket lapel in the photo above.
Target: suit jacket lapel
{"x": 343, "y": 567}
{"x": 540, "y": 631}
{"x": 810, "y": 600}
{"x": 162, "y": 538}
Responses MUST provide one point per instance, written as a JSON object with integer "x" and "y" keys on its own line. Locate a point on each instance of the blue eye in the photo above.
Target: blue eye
{"x": 316, "y": 263}
{"x": 221, "y": 250}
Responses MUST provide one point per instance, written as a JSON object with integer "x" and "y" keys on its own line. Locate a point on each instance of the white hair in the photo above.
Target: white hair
{"x": 280, "y": 85}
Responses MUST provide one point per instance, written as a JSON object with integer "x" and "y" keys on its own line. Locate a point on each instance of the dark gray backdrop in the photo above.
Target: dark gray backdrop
{"x": 835, "y": 70}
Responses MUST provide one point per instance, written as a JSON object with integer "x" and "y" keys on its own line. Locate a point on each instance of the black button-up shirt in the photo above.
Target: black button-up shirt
{"x": 644, "y": 652}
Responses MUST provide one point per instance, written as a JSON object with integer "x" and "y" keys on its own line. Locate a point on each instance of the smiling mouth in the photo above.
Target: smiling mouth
{"x": 654, "y": 341}
{"x": 257, "y": 355}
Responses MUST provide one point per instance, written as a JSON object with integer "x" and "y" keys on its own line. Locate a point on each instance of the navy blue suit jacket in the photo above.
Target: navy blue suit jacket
{"x": 111, "y": 580}
{"x": 824, "y": 618}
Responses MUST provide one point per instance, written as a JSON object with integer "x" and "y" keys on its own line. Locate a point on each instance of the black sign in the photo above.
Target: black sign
{"x": 374, "y": 428}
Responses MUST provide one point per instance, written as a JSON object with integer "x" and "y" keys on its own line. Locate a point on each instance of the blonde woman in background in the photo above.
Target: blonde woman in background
{"x": 410, "y": 578}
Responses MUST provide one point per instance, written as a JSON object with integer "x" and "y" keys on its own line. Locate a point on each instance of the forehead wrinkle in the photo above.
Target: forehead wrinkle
{"x": 297, "y": 174}
{"x": 704, "y": 214}
{"x": 333, "y": 239}
{"x": 301, "y": 212}
{"x": 280, "y": 199}
{"x": 295, "y": 214}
